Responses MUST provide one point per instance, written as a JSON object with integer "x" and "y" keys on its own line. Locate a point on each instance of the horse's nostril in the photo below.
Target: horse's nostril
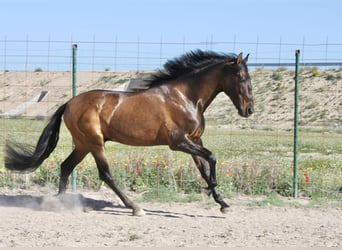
{"x": 250, "y": 111}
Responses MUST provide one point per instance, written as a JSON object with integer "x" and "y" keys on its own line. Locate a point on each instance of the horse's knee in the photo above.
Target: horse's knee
{"x": 212, "y": 159}
{"x": 212, "y": 184}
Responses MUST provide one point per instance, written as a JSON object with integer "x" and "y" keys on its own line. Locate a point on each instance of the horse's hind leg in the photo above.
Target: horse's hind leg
{"x": 67, "y": 166}
{"x": 106, "y": 176}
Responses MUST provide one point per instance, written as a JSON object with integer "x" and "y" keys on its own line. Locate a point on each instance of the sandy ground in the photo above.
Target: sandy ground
{"x": 96, "y": 219}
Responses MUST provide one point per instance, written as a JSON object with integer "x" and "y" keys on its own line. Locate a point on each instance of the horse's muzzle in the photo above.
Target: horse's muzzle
{"x": 247, "y": 111}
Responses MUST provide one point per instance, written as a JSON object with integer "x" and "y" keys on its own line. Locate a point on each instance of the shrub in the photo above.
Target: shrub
{"x": 38, "y": 69}
{"x": 282, "y": 69}
{"x": 331, "y": 77}
{"x": 315, "y": 72}
{"x": 276, "y": 76}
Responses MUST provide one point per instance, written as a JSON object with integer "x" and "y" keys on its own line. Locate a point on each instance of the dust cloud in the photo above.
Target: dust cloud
{"x": 61, "y": 203}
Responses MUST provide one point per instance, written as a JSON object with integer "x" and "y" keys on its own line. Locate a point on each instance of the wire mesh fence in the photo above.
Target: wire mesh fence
{"x": 121, "y": 55}
{"x": 254, "y": 155}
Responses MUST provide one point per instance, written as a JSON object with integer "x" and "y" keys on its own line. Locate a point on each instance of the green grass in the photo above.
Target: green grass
{"x": 273, "y": 199}
{"x": 164, "y": 194}
{"x": 253, "y": 162}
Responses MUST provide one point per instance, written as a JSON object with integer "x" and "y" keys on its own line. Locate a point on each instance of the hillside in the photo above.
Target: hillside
{"x": 38, "y": 94}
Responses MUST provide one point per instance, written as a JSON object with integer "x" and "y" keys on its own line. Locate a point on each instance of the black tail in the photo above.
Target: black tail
{"x": 23, "y": 158}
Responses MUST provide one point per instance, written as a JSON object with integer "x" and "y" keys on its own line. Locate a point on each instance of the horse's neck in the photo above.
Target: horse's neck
{"x": 206, "y": 88}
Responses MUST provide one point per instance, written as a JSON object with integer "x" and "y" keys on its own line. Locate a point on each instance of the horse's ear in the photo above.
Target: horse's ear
{"x": 239, "y": 59}
{"x": 245, "y": 60}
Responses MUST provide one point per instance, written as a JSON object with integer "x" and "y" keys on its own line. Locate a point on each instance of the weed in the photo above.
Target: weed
{"x": 38, "y": 69}
{"x": 105, "y": 79}
{"x": 272, "y": 199}
{"x": 312, "y": 105}
{"x": 121, "y": 81}
{"x": 282, "y": 69}
{"x": 315, "y": 72}
{"x": 133, "y": 237}
{"x": 42, "y": 83}
{"x": 276, "y": 76}
{"x": 333, "y": 78}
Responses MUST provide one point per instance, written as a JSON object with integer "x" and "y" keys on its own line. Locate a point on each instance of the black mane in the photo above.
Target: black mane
{"x": 189, "y": 62}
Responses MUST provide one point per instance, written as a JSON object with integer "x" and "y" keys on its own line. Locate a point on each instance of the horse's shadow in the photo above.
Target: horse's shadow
{"x": 77, "y": 202}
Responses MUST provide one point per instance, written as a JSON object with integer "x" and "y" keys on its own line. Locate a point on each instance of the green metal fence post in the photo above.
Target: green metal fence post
{"x": 74, "y": 49}
{"x": 295, "y": 145}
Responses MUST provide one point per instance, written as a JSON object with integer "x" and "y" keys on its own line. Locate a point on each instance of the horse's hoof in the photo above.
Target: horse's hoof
{"x": 138, "y": 212}
{"x": 224, "y": 210}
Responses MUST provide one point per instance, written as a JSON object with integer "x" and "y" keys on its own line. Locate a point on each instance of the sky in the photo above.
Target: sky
{"x": 267, "y": 21}
{"x": 151, "y": 19}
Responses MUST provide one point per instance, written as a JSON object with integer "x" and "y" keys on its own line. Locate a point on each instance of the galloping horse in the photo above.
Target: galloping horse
{"x": 169, "y": 112}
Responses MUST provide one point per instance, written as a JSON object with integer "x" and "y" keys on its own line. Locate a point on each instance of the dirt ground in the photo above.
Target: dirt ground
{"x": 97, "y": 219}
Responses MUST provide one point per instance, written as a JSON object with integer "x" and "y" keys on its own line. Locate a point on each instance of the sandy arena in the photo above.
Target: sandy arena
{"x": 97, "y": 219}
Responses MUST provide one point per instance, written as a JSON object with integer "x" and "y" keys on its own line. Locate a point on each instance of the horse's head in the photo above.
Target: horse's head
{"x": 237, "y": 85}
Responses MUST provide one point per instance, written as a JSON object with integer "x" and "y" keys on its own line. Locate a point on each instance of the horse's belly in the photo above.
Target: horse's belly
{"x": 136, "y": 134}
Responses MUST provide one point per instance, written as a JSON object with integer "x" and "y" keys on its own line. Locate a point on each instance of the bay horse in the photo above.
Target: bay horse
{"x": 169, "y": 112}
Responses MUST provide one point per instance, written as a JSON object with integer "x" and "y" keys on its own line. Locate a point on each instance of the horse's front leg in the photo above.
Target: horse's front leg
{"x": 202, "y": 157}
{"x": 204, "y": 169}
